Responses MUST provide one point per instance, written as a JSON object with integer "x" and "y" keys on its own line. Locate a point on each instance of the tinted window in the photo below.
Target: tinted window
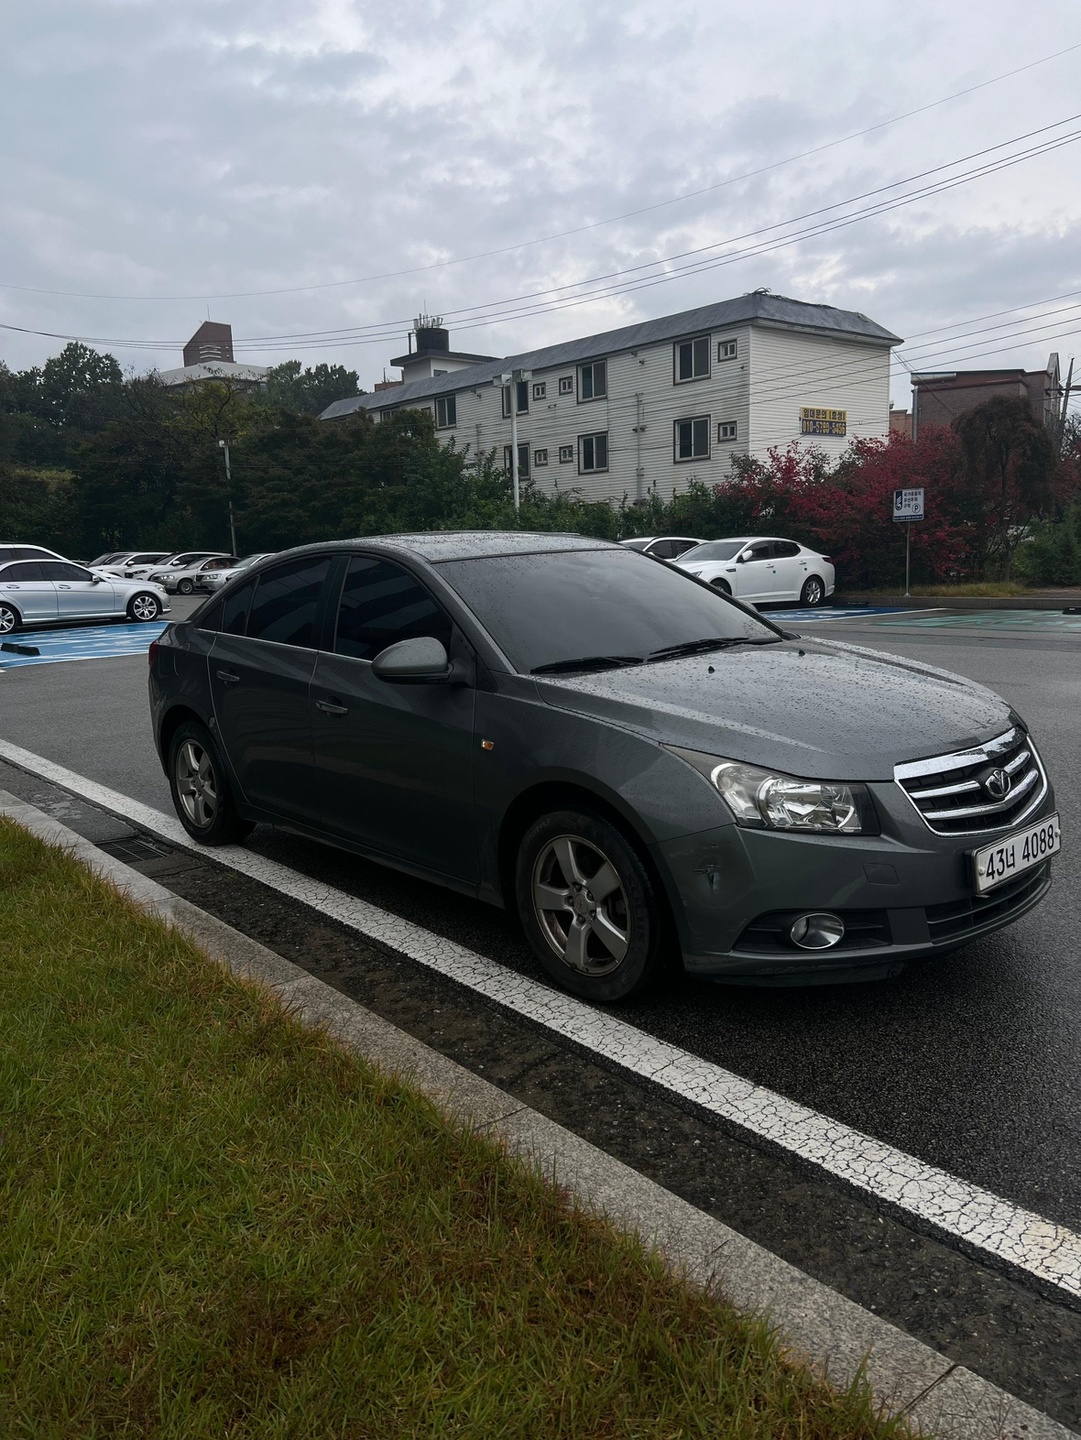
{"x": 210, "y": 618}
{"x": 382, "y": 603}
{"x": 286, "y": 601}
{"x": 18, "y": 573}
{"x": 64, "y": 570}
{"x": 543, "y": 609}
{"x": 784, "y": 549}
{"x": 760, "y": 552}
{"x": 150, "y": 557}
{"x": 713, "y": 550}
{"x": 24, "y": 552}
{"x": 234, "y": 618}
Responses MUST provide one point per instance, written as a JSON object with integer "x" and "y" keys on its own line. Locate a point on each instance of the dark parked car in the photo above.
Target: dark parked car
{"x": 639, "y": 766}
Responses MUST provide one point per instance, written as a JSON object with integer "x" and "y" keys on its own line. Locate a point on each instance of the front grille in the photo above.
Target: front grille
{"x": 864, "y": 930}
{"x": 956, "y": 794}
{"x": 959, "y": 918}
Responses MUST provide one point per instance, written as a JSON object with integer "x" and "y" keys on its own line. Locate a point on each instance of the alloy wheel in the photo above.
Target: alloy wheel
{"x": 196, "y": 784}
{"x": 8, "y": 619}
{"x": 813, "y": 592}
{"x": 145, "y": 607}
{"x": 581, "y": 905}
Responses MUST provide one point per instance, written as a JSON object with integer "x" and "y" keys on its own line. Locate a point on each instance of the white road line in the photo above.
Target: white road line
{"x": 1048, "y": 1252}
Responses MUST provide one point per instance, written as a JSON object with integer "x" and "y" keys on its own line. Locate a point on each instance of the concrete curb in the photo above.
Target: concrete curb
{"x": 837, "y": 1337}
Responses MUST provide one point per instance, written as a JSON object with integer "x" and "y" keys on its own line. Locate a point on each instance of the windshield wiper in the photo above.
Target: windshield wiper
{"x": 699, "y": 647}
{"x": 587, "y": 662}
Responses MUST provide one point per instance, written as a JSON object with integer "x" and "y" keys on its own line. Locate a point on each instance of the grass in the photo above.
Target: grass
{"x": 219, "y": 1224}
{"x": 982, "y": 588}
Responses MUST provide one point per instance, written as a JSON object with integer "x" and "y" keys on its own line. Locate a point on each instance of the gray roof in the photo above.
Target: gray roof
{"x": 768, "y": 309}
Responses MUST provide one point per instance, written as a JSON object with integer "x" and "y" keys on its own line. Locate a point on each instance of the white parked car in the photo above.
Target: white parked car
{"x": 762, "y": 568}
{"x": 51, "y": 591}
{"x": 117, "y": 562}
{"x": 663, "y": 547}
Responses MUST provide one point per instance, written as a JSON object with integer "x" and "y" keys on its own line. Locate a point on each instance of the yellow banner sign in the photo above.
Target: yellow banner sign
{"x": 814, "y": 420}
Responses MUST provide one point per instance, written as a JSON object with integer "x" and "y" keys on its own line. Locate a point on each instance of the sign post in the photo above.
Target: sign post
{"x": 908, "y": 506}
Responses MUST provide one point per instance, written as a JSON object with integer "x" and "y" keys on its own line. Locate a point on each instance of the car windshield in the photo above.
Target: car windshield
{"x": 713, "y": 550}
{"x": 612, "y": 606}
{"x": 109, "y": 558}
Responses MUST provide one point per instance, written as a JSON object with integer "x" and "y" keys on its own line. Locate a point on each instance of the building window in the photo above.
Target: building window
{"x": 523, "y": 461}
{"x": 566, "y": 384}
{"x": 446, "y": 412}
{"x": 593, "y": 381}
{"x": 540, "y": 389}
{"x": 385, "y": 414}
{"x": 727, "y": 349}
{"x": 566, "y": 454}
{"x": 692, "y": 438}
{"x": 506, "y": 400}
{"x": 691, "y": 359}
{"x": 726, "y": 430}
{"x": 540, "y": 457}
{"x": 593, "y": 453}
{"x": 522, "y": 390}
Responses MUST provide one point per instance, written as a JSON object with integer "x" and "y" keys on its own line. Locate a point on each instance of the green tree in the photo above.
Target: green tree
{"x": 1009, "y": 465}
{"x": 309, "y": 391}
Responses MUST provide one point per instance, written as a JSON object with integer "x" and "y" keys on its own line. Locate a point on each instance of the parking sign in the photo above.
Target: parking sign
{"x": 908, "y": 504}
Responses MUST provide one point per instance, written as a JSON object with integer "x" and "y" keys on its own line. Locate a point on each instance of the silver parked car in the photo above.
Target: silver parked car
{"x": 213, "y": 576}
{"x": 49, "y": 592}
{"x": 185, "y": 580}
{"x": 179, "y": 560}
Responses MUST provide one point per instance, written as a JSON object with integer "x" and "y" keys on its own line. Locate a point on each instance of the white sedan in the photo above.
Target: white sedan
{"x": 762, "y": 568}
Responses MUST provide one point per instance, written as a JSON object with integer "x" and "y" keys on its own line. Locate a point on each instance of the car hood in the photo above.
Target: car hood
{"x": 814, "y": 708}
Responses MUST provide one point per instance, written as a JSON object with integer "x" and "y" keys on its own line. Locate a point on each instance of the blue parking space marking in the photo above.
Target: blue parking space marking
{"x": 92, "y": 642}
{"x": 991, "y": 620}
{"x": 832, "y": 612}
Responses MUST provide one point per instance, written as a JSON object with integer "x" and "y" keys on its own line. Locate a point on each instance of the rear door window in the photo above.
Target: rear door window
{"x": 286, "y": 601}
{"x": 784, "y": 549}
{"x": 22, "y": 573}
{"x": 382, "y": 603}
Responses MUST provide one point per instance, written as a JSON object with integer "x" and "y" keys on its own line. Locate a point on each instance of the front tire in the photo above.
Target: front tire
{"x": 813, "y": 592}
{"x": 200, "y": 789}
{"x": 9, "y": 620}
{"x": 184, "y": 587}
{"x": 589, "y": 907}
{"x": 144, "y": 607}
{"x": 722, "y": 585}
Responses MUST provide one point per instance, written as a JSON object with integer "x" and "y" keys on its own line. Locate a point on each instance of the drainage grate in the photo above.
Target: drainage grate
{"x": 133, "y": 850}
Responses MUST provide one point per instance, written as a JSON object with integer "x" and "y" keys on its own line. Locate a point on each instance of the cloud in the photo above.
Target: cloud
{"x": 189, "y": 151}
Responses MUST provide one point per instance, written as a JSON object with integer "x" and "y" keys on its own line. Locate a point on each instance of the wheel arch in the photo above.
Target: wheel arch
{"x": 546, "y": 796}
{"x": 171, "y": 722}
{"x": 12, "y": 606}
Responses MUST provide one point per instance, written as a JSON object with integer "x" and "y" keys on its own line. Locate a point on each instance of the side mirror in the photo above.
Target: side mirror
{"x": 420, "y": 661}
{"x": 741, "y": 559}
{"x": 96, "y": 580}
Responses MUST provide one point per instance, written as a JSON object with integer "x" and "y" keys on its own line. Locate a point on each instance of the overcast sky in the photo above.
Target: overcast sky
{"x": 176, "y": 155}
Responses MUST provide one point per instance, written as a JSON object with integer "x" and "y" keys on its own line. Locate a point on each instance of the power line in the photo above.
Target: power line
{"x": 577, "y": 230}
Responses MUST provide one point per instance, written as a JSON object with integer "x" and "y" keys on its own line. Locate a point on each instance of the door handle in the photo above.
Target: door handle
{"x": 328, "y": 707}
{"x": 63, "y": 587}
{"x": 228, "y": 676}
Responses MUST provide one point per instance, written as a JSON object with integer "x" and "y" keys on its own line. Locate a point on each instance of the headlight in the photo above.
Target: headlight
{"x": 766, "y": 800}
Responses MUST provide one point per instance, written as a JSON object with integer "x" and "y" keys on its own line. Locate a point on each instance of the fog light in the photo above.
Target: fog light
{"x": 818, "y": 931}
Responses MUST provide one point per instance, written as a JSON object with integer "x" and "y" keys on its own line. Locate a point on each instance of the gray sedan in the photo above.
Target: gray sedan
{"x": 644, "y": 769}
{"x": 48, "y": 592}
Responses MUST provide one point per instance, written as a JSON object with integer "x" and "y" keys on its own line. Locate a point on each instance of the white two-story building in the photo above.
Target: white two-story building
{"x": 650, "y": 407}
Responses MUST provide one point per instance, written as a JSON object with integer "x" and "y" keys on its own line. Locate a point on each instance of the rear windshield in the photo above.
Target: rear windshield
{"x": 713, "y": 550}
{"x": 547, "y": 609}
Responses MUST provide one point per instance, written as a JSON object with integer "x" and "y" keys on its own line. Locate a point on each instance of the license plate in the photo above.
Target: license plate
{"x": 997, "y": 863}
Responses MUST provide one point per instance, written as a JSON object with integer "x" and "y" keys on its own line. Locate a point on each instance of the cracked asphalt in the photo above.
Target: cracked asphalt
{"x": 969, "y": 1062}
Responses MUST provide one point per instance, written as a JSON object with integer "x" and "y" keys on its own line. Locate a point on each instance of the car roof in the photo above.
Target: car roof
{"x": 442, "y": 545}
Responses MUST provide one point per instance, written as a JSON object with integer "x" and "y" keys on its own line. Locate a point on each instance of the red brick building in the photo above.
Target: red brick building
{"x": 939, "y": 397}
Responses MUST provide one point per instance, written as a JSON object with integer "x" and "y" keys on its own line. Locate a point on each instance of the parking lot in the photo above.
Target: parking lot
{"x": 969, "y": 1063}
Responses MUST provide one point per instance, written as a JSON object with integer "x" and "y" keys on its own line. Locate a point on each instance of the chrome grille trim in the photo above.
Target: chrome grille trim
{"x": 1024, "y": 767}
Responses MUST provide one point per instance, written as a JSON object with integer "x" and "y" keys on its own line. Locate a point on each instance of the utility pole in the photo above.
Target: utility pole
{"x": 223, "y": 445}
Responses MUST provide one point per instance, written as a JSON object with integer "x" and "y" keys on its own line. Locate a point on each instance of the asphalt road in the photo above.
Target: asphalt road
{"x": 971, "y": 1062}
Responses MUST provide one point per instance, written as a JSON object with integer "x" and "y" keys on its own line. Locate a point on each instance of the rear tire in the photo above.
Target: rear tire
{"x": 813, "y": 592}
{"x": 9, "y": 620}
{"x": 200, "y": 789}
{"x": 144, "y": 607}
{"x": 589, "y": 907}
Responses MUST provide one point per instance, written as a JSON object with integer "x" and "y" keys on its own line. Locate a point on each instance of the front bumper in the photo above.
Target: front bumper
{"x": 903, "y": 894}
